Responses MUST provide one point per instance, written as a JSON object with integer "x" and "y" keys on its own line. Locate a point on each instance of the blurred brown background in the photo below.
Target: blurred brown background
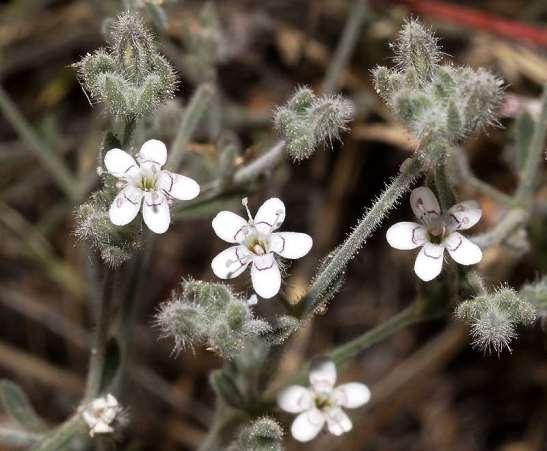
{"x": 431, "y": 391}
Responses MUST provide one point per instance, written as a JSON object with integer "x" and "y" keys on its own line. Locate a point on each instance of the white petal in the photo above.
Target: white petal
{"x": 352, "y": 395}
{"x": 295, "y": 399}
{"x": 125, "y": 206}
{"x": 231, "y": 262}
{"x": 230, "y": 227}
{"x": 322, "y": 374}
{"x": 307, "y": 425}
{"x": 270, "y": 215}
{"x": 265, "y": 276}
{"x": 178, "y": 186}
{"x": 119, "y": 163}
{"x": 155, "y": 212}
{"x": 406, "y": 235}
{"x": 429, "y": 262}
{"x": 462, "y": 250}
{"x": 111, "y": 401}
{"x": 101, "y": 428}
{"x": 290, "y": 244}
{"x": 89, "y": 418}
{"x": 424, "y": 204}
{"x": 153, "y": 152}
{"x": 338, "y": 422}
{"x": 464, "y": 215}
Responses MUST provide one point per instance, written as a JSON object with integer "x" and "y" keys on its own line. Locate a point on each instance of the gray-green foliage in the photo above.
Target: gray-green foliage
{"x": 493, "y": 318}
{"x": 308, "y": 121}
{"x": 536, "y": 294}
{"x": 115, "y": 244}
{"x": 263, "y": 434}
{"x": 209, "y": 314}
{"x": 440, "y": 104}
{"x": 202, "y": 40}
{"x": 130, "y": 76}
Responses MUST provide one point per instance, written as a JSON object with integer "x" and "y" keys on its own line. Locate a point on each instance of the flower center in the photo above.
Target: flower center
{"x": 323, "y": 401}
{"x": 437, "y": 231}
{"x": 257, "y": 243}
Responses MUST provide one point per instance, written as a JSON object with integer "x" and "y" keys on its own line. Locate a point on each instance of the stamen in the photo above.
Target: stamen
{"x": 245, "y": 203}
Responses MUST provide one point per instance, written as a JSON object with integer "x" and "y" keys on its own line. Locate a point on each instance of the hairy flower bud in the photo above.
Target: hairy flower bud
{"x": 494, "y": 316}
{"x": 130, "y": 77}
{"x": 209, "y": 314}
{"x": 308, "y": 121}
{"x": 263, "y": 434}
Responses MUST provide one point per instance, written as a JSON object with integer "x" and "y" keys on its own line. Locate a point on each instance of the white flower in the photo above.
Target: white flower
{"x": 436, "y": 232}
{"x": 148, "y": 184}
{"x": 256, "y": 243}
{"x": 100, "y": 414}
{"x": 322, "y": 402}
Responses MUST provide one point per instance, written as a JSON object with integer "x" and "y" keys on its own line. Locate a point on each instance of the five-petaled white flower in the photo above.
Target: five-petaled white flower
{"x": 148, "y": 184}
{"x": 322, "y": 402}
{"x": 101, "y": 413}
{"x": 436, "y": 232}
{"x": 256, "y": 243}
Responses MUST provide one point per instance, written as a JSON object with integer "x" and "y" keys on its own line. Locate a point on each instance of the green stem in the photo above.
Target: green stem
{"x": 189, "y": 122}
{"x": 443, "y": 188}
{"x": 346, "y": 45}
{"x": 18, "y": 438}
{"x": 49, "y": 159}
{"x": 62, "y": 436}
{"x": 511, "y": 221}
{"x": 98, "y": 352}
{"x": 368, "y": 224}
{"x": 530, "y": 172}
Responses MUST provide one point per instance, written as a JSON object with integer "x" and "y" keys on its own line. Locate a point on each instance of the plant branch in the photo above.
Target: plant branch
{"x": 368, "y": 224}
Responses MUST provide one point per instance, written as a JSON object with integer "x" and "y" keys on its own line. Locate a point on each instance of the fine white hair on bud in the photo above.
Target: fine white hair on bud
{"x": 494, "y": 317}
{"x": 308, "y": 121}
{"x": 262, "y": 434}
{"x": 130, "y": 76}
{"x": 441, "y": 104}
{"x": 209, "y": 314}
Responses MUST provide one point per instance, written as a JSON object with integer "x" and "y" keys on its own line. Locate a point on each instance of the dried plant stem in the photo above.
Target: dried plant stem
{"x": 368, "y": 224}
{"x": 346, "y": 45}
{"x": 48, "y": 158}
{"x": 189, "y": 121}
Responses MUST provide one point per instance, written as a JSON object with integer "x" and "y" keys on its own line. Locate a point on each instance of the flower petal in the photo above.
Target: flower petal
{"x": 155, "y": 212}
{"x": 338, "y": 422}
{"x": 231, "y": 262}
{"x": 178, "y": 186}
{"x": 424, "y": 204}
{"x": 322, "y": 374}
{"x": 406, "y": 235}
{"x": 295, "y": 399}
{"x": 119, "y": 163}
{"x": 307, "y": 425}
{"x": 126, "y": 206}
{"x": 153, "y": 152}
{"x": 270, "y": 215}
{"x": 230, "y": 227}
{"x": 464, "y": 215}
{"x": 352, "y": 395}
{"x": 290, "y": 244}
{"x": 101, "y": 428}
{"x": 429, "y": 262}
{"x": 265, "y": 275}
{"x": 462, "y": 250}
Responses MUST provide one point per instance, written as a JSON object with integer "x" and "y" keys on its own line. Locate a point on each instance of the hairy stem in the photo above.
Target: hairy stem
{"x": 368, "y": 224}
{"x": 47, "y": 157}
{"x": 189, "y": 121}
{"x": 530, "y": 172}
{"x": 98, "y": 352}
{"x": 59, "y": 438}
